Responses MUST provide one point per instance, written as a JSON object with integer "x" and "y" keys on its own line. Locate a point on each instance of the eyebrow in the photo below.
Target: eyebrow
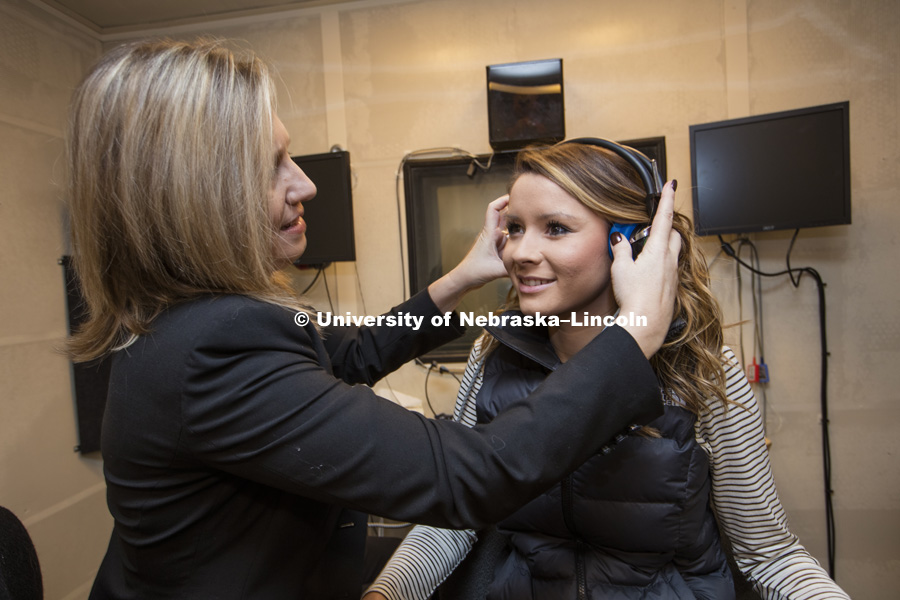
{"x": 544, "y": 216}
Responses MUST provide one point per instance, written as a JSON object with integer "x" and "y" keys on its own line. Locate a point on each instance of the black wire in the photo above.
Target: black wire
{"x": 760, "y": 324}
{"x": 451, "y": 373}
{"x": 740, "y": 299}
{"x": 826, "y": 444}
{"x": 327, "y": 291}
{"x": 337, "y": 288}
{"x": 787, "y": 260}
{"x": 441, "y": 369}
{"x": 313, "y": 282}
{"x": 362, "y": 298}
{"x": 756, "y": 294}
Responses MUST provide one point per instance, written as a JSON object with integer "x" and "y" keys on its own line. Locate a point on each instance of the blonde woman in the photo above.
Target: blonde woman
{"x": 640, "y": 521}
{"x": 236, "y": 448}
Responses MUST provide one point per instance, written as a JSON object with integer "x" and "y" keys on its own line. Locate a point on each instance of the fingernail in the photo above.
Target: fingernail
{"x": 674, "y": 184}
{"x": 615, "y": 238}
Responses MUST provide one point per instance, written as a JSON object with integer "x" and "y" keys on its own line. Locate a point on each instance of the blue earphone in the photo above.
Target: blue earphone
{"x": 627, "y": 230}
{"x": 635, "y": 233}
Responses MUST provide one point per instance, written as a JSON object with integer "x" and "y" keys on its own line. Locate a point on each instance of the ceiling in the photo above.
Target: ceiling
{"x": 111, "y": 16}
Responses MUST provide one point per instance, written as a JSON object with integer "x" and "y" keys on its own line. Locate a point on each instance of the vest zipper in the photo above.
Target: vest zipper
{"x": 567, "y": 497}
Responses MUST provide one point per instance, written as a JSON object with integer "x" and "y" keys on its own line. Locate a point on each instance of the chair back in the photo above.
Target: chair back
{"x": 20, "y": 571}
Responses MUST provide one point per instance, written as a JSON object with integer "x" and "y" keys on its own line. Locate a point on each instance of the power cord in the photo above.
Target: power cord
{"x": 756, "y": 373}
{"x": 826, "y": 444}
{"x": 442, "y": 370}
{"x": 327, "y": 291}
{"x": 319, "y": 270}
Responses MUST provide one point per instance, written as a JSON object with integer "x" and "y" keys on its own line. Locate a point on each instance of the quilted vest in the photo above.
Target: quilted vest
{"x": 634, "y": 523}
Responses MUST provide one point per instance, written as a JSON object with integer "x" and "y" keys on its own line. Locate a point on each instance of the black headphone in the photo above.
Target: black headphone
{"x": 648, "y": 171}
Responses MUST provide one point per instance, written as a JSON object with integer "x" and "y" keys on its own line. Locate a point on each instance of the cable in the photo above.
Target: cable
{"x": 313, "y": 282}
{"x": 440, "y": 369}
{"x": 362, "y": 298}
{"x": 787, "y": 259}
{"x": 758, "y": 325}
{"x": 756, "y": 294}
{"x": 337, "y": 288}
{"x": 826, "y": 444}
{"x": 327, "y": 291}
{"x": 740, "y": 299}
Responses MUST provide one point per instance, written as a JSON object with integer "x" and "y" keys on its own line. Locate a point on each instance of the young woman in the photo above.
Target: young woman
{"x": 236, "y": 448}
{"x": 639, "y": 521}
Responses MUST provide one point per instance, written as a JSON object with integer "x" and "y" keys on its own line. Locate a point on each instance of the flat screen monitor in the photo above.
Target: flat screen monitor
{"x": 784, "y": 170}
{"x": 525, "y": 104}
{"x": 329, "y": 216}
{"x": 445, "y": 204}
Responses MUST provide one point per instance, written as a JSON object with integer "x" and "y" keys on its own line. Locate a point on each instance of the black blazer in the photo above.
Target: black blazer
{"x": 235, "y": 447}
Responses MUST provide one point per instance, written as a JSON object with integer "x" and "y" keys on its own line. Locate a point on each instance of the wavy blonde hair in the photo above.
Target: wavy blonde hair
{"x": 170, "y": 156}
{"x": 689, "y": 365}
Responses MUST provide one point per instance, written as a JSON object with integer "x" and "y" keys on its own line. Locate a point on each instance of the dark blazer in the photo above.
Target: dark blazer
{"x": 234, "y": 443}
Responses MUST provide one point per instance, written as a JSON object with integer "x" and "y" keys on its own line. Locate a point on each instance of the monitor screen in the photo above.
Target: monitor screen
{"x": 784, "y": 170}
{"x": 525, "y": 104}
{"x": 445, "y": 205}
{"x": 329, "y": 216}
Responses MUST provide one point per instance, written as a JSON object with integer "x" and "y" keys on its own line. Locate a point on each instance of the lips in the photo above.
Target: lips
{"x": 531, "y": 285}
{"x": 295, "y": 226}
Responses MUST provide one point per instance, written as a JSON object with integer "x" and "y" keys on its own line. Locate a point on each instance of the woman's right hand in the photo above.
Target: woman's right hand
{"x": 374, "y": 596}
{"x": 646, "y": 286}
{"x": 481, "y": 265}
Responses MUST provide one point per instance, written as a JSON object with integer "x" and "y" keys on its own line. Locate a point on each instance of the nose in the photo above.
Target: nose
{"x": 300, "y": 188}
{"x": 524, "y": 248}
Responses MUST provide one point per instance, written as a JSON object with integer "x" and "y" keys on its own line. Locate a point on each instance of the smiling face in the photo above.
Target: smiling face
{"x": 290, "y": 188}
{"x": 556, "y": 254}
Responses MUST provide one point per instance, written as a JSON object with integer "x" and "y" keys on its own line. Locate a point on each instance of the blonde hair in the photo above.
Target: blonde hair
{"x": 170, "y": 154}
{"x": 690, "y": 365}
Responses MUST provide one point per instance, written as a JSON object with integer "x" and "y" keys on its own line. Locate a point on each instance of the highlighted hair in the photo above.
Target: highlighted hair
{"x": 169, "y": 154}
{"x": 690, "y": 365}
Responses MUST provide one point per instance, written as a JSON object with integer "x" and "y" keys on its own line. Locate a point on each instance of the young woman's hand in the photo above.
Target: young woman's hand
{"x": 646, "y": 286}
{"x": 481, "y": 265}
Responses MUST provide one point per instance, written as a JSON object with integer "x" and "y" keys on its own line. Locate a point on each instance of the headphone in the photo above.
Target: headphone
{"x": 647, "y": 170}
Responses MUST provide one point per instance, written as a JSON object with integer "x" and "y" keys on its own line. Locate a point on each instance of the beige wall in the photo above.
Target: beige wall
{"x": 384, "y": 77}
{"x": 59, "y": 495}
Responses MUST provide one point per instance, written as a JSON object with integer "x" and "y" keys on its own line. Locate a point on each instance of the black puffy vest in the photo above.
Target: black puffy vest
{"x": 634, "y": 523}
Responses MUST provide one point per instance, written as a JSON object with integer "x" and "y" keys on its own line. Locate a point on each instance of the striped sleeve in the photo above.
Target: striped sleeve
{"x": 428, "y": 555}
{"x": 747, "y": 503}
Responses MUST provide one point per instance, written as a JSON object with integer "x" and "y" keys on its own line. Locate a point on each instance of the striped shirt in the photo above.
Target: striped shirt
{"x": 743, "y": 495}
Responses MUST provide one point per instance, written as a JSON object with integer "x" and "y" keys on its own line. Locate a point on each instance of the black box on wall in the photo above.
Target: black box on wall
{"x": 525, "y": 104}
{"x": 90, "y": 380}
